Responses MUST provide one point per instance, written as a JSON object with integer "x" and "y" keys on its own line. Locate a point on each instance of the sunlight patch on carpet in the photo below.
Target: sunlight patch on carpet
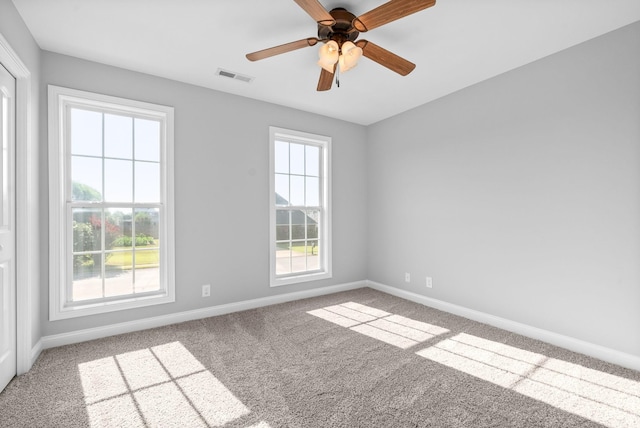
{"x": 159, "y": 386}
{"x": 607, "y": 399}
{"x": 385, "y": 336}
{"x": 333, "y": 317}
{"x": 389, "y": 328}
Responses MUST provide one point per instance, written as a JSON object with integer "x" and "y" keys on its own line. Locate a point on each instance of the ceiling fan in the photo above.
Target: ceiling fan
{"x": 339, "y": 29}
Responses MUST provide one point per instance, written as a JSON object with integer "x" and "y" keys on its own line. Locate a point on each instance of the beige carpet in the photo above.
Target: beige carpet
{"x": 355, "y": 359}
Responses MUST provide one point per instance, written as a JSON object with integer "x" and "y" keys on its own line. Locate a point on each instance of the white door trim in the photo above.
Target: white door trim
{"x": 27, "y": 258}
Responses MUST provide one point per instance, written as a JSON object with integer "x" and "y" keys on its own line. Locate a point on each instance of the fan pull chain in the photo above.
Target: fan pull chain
{"x": 338, "y": 76}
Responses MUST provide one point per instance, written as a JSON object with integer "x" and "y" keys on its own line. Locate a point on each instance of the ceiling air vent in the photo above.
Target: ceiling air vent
{"x": 235, "y": 76}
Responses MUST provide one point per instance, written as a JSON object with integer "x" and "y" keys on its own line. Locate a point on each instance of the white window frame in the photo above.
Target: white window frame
{"x": 60, "y": 100}
{"x": 324, "y": 237}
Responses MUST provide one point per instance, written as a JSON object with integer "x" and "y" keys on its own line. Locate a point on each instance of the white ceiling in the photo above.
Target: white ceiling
{"x": 455, "y": 44}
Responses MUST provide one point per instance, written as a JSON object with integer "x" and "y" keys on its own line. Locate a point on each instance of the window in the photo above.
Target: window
{"x": 300, "y": 212}
{"x": 111, "y": 203}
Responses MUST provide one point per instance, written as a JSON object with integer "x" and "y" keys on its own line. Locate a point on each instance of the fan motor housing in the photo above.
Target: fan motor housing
{"x": 342, "y": 30}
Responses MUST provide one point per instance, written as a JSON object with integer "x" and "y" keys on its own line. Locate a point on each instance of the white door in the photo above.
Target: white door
{"x": 8, "y": 359}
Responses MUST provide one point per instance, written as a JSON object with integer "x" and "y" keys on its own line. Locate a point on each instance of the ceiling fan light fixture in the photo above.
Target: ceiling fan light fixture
{"x": 338, "y": 29}
{"x": 350, "y": 56}
{"x": 329, "y": 53}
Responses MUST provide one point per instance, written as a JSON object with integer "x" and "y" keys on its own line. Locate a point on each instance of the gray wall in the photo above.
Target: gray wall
{"x": 14, "y": 30}
{"x": 520, "y": 195}
{"x": 221, "y": 188}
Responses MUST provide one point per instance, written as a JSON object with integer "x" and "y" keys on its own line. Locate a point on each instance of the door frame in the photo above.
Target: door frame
{"x": 26, "y": 178}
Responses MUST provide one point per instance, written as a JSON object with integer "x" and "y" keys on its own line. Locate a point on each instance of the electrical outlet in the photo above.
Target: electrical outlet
{"x": 206, "y": 290}
{"x": 407, "y": 277}
{"x": 429, "y": 282}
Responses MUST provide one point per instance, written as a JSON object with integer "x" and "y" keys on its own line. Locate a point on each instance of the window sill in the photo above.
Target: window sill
{"x": 80, "y": 310}
{"x": 288, "y": 280}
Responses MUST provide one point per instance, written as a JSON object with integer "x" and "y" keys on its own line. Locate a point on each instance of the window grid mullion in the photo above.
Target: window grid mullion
{"x": 133, "y": 250}
{"x": 306, "y": 242}
{"x": 103, "y": 261}
{"x": 290, "y": 240}
{"x": 133, "y": 211}
{"x": 304, "y": 199}
{"x": 96, "y": 205}
{"x": 103, "y": 243}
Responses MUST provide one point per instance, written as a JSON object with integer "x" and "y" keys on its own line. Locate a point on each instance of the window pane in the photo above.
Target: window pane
{"x": 283, "y": 259}
{"x": 118, "y": 177}
{"x": 87, "y": 232}
{"x": 147, "y": 182}
{"x": 147, "y": 222}
{"x": 86, "y": 179}
{"x": 118, "y": 273}
{"x": 282, "y": 189}
{"x": 87, "y": 268}
{"x": 298, "y": 224}
{"x": 298, "y": 257}
{"x": 87, "y": 278}
{"x": 312, "y": 161}
{"x": 118, "y": 228}
{"x": 296, "y": 153}
{"x": 147, "y": 271}
{"x": 297, "y": 190}
{"x": 118, "y": 136}
{"x": 313, "y": 255}
{"x": 312, "y": 191}
{"x": 282, "y": 225}
{"x": 281, "y": 157}
{"x": 86, "y": 132}
{"x": 147, "y": 140}
{"x": 313, "y": 219}
{"x": 146, "y": 258}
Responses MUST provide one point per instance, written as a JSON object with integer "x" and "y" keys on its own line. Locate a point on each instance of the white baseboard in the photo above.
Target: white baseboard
{"x": 35, "y": 352}
{"x": 144, "y": 324}
{"x": 570, "y": 343}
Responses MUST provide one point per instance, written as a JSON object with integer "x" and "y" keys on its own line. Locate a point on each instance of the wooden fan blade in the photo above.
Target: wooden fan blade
{"x": 277, "y": 50}
{"x": 385, "y": 58}
{"x": 326, "y": 80}
{"x": 317, "y": 12}
{"x": 388, "y": 12}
